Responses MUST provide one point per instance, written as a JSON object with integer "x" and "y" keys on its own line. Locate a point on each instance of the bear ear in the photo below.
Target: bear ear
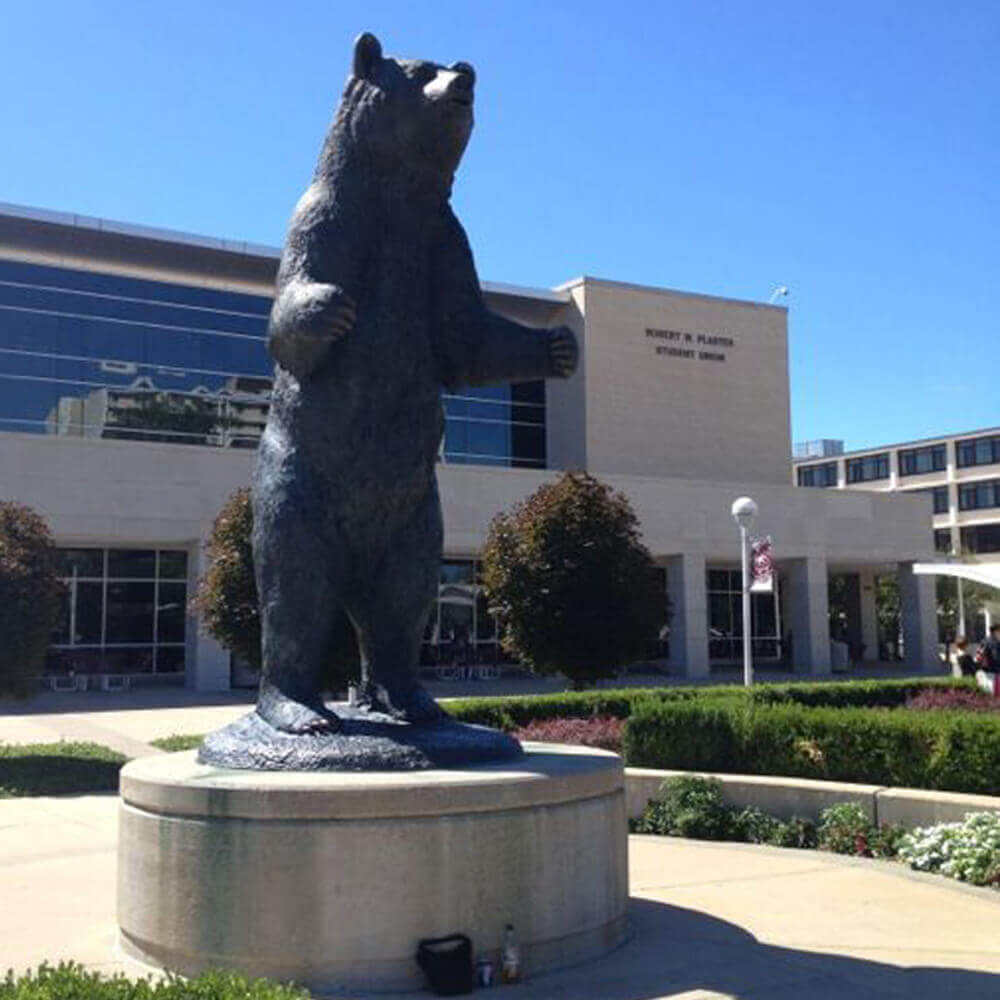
{"x": 367, "y": 55}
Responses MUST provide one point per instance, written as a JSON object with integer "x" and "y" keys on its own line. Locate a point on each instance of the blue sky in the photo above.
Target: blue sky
{"x": 848, "y": 150}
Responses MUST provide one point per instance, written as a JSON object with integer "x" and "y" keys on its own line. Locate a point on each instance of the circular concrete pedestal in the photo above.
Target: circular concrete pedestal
{"x": 330, "y": 879}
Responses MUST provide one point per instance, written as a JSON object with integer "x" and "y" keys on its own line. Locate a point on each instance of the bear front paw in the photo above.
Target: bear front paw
{"x": 307, "y": 319}
{"x": 564, "y": 354}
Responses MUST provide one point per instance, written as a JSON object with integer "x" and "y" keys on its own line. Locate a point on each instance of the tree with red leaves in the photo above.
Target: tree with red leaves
{"x": 575, "y": 590}
{"x": 29, "y": 597}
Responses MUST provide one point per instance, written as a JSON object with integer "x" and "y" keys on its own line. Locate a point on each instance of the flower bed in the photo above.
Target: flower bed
{"x": 692, "y": 806}
{"x": 968, "y": 851}
{"x": 602, "y": 731}
{"x": 954, "y": 700}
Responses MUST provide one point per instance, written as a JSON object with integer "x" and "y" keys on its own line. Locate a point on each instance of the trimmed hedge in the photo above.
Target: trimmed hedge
{"x": 950, "y": 751}
{"x": 70, "y": 981}
{"x": 516, "y": 711}
{"x": 511, "y": 712}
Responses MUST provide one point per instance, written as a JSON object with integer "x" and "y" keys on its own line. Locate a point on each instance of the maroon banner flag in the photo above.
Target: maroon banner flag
{"x": 761, "y": 566}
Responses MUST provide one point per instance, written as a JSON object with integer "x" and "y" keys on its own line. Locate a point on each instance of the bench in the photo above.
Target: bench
{"x": 114, "y": 682}
{"x": 73, "y": 682}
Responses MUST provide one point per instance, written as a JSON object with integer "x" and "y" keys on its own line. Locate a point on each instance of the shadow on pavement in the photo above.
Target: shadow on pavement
{"x": 674, "y": 950}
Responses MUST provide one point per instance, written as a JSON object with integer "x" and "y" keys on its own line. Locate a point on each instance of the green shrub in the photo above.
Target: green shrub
{"x": 968, "y": 851}
{"x": 886, "y": 840}
{"x": 948, "y": 750}
{"x": 796, "y": 832}
{"x": 846, "y": 829}
{"x": 691, "y": 806}
{"x": 754, "y": 826}
{"x": 58, "y": 769}
{"x": 687, "y": 806}
{"x": 70, "y": 981}
{"x": 843, "y": 828}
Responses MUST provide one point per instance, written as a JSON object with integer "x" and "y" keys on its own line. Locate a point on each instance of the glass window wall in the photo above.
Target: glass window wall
{"x": 938, "y": 494}
{"x": 981, "y": 538}
{"x": 919, "y": 461}
{"x": 978, "y": 451}
{"x": 725, "y": 618}
{"x": 460, "y": 632}
{"x": 818, "y": 475}
{"x": 868, "y": 468}
{"x": 942, "y": 540}
{"x": 107, "y": 356}
{"x": 979, "y": 496}
{"x": 123, "y": 611}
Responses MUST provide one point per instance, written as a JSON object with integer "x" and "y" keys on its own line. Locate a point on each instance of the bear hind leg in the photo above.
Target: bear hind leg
{"x": 391, "y": 616}
{"x": 299, "y": 606}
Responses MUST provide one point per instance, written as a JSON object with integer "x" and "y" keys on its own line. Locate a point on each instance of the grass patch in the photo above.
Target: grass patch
{"x": 57, "y": 769}
{"x": 175, "y": 742}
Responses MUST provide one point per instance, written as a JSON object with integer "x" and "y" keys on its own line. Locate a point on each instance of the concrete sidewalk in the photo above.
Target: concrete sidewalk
{"x": 125, "y": 722}
{"x": 708, "y": 920}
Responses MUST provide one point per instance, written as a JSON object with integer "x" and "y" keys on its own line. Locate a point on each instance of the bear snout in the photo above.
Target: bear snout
{"x": 453, "y": 85}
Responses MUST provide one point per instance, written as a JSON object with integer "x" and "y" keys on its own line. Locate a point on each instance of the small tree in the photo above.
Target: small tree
{"x": 29, "y": 597}
{"x": 226, "y": 598}
{"x": 575, "y": 590}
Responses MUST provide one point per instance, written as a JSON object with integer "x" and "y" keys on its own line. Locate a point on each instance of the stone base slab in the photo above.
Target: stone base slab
{"x": 367, "y": 741}
{"x": 330, "y": 879}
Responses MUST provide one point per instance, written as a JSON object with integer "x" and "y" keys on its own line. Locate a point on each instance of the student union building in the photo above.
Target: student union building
{"x": 135, "y": 382}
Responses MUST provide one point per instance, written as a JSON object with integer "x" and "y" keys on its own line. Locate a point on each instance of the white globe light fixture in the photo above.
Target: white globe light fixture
{"x": 744, "y": 510}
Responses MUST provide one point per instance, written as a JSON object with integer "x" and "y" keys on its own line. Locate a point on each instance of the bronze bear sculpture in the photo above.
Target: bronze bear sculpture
{"x": 378, "y": 306}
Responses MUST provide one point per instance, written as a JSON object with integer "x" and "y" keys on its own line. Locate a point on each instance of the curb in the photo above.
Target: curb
{"x": 805, "y": 797}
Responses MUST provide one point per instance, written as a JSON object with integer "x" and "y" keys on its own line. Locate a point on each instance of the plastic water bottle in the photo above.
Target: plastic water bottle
{"x": 510, "y": 968}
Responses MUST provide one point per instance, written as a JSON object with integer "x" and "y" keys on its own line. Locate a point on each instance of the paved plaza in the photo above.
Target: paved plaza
{"x": 708, "y": 920}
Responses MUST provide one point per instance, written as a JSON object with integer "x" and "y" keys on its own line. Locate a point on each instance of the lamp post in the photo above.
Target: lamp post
{"x": 744, "y": 511}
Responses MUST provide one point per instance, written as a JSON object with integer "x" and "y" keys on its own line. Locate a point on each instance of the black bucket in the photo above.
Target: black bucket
{"x": 447, "y": 963}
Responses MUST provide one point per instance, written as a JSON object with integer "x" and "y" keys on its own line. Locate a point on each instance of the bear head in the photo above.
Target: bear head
{"x": 408, "y": 115}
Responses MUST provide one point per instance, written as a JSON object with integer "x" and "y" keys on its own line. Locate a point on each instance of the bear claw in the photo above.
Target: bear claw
{"x": 296, "y": 718}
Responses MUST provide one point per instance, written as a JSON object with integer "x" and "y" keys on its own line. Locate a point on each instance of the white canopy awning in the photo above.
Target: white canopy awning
{"x": 988, "y": 573}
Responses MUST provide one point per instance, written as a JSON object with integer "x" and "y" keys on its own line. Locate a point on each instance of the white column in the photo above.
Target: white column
{"x": 689, "y": 627}
{"x": 918, "y": 610}
{"x": 807, "y": 593}
{"x": 207, "y": 666}
{"x": 869, "y": 616}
